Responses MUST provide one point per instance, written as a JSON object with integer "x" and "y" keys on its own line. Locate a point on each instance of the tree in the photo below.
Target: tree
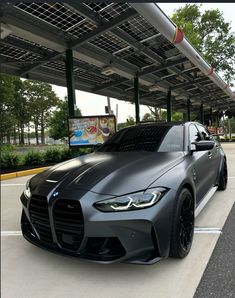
{"x": 42, "y": 101}
{"x": 149, "y": 117}
{"x": 7, "y": 89}
{"x": 211, "y": 35}
{"x": 20, "y": 107}
{"x": 58, "y": 127}
{"x": 130, "y": 121}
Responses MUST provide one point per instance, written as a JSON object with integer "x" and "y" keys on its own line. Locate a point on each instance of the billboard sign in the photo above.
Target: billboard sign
{"x": 90, "y": 130}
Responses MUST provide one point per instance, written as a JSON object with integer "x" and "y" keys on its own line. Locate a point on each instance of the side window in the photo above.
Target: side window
{"x": 204, "y": 133}
{"x": 194, "y": 135}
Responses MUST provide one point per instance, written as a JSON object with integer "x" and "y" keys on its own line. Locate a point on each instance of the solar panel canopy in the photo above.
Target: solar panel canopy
{"x": 112, "y": 43}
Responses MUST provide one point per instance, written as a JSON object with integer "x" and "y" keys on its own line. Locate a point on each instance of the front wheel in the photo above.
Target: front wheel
{"x": 223, "y": 177}
{"x": 183, "y": 225}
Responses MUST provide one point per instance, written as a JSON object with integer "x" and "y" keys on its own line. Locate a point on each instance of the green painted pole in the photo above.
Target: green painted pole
{"x": 189, "y": 109}
{"x": 168, "y": 103}
{"x": 201, "y": 114}
{"x": 211, "y": 116}
{"x": 70, "y": 81}
{"x": 137, "y": 99}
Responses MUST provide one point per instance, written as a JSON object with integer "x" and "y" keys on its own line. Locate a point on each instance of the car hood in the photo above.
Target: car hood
{"x": 109, "y": 173}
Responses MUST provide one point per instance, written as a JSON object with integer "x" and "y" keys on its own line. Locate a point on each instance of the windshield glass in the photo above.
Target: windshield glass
{"x": 146, "y": 138}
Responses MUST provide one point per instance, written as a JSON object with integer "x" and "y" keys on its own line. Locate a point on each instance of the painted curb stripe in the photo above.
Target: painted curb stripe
{"x": 22, "y": 173}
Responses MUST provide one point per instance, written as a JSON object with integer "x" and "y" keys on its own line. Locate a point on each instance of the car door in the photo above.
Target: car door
{"x": 201, "y": 165}
{"x": 212, "y": 168}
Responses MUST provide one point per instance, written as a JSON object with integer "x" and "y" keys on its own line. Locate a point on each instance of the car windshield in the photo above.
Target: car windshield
{"x": 158, "y": 138}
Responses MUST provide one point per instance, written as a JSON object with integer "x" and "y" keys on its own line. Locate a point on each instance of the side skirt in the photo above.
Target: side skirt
{"x": 205, "y": 200}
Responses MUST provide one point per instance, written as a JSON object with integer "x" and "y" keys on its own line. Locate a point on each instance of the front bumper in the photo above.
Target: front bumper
{"x": 139, "y": 236}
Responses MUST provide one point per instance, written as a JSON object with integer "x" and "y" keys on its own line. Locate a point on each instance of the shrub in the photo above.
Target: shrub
{"x": 9, "y": 161}
{"x": 33, "y": 158}
{"x": 52, "y": 155}
{"x": 66, "y": 154}
{"x": 7, "y": 148}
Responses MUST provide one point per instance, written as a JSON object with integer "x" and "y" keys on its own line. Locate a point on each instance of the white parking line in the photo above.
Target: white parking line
{"x": 231, "y": 177}
{"x": 197, "y": 230}
{"x": 11, "y": 233}
{"x": 9, "y": 184}
{"x": 203, "y": 230}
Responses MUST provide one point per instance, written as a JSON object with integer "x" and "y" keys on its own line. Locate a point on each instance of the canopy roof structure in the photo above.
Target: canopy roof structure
{"x": 112, "y": 43}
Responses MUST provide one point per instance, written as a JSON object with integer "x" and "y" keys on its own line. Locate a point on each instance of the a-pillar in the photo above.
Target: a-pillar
{"x": 168, "y": 104}
{"x": 137, "y": 99}
{"x": 70, "y": 82}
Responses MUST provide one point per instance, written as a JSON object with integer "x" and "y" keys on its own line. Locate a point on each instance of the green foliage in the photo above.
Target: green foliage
{"x": 9, "y": 160}
{"x": 130, "y": 121}
{"x": 58, "y": 121}
{"x": 149, "y": 117}
{"x": 42, "y": 102}
{"x": 52, "y": 155}
{"x": 33, "y": 158}
{"x": 66, "y": 154}
{"x": 211, "y": 35}
{"x": 7, "y": 148}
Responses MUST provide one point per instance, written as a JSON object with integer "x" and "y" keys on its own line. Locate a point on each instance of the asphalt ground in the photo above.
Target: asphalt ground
{"x": 218, "y": 279}
{"x": 28, "y": 271}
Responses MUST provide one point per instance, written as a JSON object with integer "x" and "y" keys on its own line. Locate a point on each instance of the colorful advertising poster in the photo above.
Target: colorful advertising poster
{"x": 212, "y": 129}
{"x": 90, "y": 130}
{"x": 220, "y": 130}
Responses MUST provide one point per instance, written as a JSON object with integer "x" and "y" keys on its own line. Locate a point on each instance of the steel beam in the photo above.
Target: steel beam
{"x": 169, "y": 106}
{"x": 201, "y": 113}
{"x": 106, "y": 26}
{"x": 137, "y": 100}
{"x": 188, "y": 110}
{"x": 70, "y": 82}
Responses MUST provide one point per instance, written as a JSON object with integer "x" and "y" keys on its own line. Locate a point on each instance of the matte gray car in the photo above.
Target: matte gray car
{"x": 132, "y": 200}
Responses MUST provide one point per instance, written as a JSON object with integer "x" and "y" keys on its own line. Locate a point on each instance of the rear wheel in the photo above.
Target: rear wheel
{"x": 223, "y": 178}
{"x": 183, "y": 225}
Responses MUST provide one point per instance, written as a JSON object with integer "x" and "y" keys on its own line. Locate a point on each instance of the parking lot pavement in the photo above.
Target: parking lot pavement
{"x": 28, "y": 271}
{"x": 218, "y": 279}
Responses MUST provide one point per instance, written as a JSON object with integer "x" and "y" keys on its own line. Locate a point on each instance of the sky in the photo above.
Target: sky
{"x": 93, "y": 104}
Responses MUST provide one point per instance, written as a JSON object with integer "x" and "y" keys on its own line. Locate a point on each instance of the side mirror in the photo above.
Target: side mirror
{"x": 202, "y": 145}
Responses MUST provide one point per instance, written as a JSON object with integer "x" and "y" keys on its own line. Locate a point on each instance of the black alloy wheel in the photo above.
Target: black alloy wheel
{"x": 183, "y": 225}
{"x": 223, "y": 179}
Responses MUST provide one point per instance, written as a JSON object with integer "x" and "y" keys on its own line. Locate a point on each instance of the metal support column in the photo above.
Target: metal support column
{"x": 70, "y": 82}
{"x": 137, "y": 99}
{"x": 201, "y": 114}
{"x": 189, "y": 109}
{"x": 217, "y": 119}
{"x": 168, "y": 103}
{"x": 211, "y": 116}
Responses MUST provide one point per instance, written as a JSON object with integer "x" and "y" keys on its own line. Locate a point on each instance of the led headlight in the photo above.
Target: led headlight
{"x": 133, "y": 201}
{"x": 27, "y": 191}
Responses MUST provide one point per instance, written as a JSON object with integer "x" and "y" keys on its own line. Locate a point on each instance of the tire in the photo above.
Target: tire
{"x": 183, "y": 225}
{"x": 223, "y": 177}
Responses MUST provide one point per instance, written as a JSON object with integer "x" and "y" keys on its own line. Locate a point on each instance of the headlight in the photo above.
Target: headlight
{"x": 132, "y": 201}
{"x": 27, "y": 191}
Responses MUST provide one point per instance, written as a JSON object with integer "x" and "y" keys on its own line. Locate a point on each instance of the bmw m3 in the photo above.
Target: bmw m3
{"x": 133, "y": 200}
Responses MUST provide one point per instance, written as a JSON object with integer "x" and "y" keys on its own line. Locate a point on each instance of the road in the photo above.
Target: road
{"x": 28, "y": 271}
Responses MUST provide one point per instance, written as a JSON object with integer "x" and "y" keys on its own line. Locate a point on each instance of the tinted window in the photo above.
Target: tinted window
{"x": 194, "y": 135}
{"x": 146, "y": 138}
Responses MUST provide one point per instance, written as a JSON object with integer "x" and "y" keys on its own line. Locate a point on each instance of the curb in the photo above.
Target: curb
{"x": 22, "y": 173}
